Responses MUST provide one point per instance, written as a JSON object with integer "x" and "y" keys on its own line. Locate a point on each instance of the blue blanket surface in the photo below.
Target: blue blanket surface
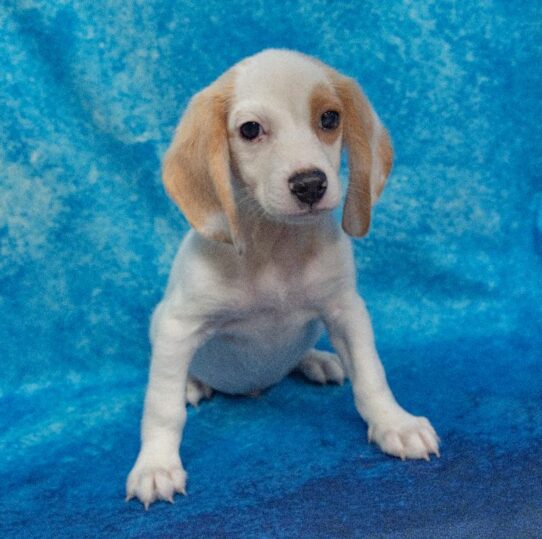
{"x": 90, "y": 93}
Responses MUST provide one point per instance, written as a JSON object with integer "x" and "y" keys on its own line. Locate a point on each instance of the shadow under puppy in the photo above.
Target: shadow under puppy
{"x": 254, "y": 166}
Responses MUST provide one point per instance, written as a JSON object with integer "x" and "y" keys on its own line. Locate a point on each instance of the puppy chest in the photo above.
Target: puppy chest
{"x": 265, "y": 323}
{"x": 279, "y": 292}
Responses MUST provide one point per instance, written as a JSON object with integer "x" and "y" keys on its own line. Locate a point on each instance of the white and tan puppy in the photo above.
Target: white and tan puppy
{"x": 254, "y": 167}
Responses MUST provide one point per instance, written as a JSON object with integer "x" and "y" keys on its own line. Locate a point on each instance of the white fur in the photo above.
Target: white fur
{"x": 241, "y": 323}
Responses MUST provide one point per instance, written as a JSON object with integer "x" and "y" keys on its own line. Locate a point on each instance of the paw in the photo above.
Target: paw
{"x": 196, "y": 391}
{"x": 150, "y": 481}
{"x": 406, "y": 436}
{"x": 321, "y": 367}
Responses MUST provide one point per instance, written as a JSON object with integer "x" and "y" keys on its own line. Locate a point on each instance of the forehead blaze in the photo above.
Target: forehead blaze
{"x": 323, "y": 99}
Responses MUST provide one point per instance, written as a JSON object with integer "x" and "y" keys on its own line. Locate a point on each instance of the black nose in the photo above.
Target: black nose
{"x": 308, "y": 186}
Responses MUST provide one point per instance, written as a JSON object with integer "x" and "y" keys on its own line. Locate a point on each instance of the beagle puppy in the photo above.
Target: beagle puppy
{"x": 254, "y": 166}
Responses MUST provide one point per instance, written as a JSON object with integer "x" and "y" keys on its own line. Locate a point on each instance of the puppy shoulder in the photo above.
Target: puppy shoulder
{"x": 334, "y": 262}
{"x": 200, "y": 265}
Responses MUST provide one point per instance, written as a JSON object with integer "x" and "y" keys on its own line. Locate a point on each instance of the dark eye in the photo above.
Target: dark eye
{"x": 330, "y": 120}
{"x": 250, "y": 130}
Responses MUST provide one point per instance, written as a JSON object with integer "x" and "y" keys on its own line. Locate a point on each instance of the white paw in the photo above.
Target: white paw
{"x": 405, "y": 436}
{"x": 196, "y": 391}
{"x": 150, "y": 481}
{"x": 321, "y": 367}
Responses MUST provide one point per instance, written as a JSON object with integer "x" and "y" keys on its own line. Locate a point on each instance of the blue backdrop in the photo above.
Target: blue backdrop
{"x": 452, "y": 271}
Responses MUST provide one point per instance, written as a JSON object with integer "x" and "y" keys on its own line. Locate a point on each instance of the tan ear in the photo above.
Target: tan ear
{"x": 196, "y": 169}
{"x": 370, "y": 155}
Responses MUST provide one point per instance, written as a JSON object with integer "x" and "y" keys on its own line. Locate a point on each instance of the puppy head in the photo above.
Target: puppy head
{"x": 269, "y": 133}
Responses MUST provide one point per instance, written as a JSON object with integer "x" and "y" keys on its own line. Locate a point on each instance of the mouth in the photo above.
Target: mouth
{"x": 299, "y": 214}
{"x": 303, "y": 215}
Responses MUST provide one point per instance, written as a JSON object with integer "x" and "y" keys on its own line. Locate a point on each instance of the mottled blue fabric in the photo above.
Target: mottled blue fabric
{"x": 90, "y": 93}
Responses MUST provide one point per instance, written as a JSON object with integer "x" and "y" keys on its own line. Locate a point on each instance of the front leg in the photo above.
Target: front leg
{"x": 395, "y": 431}
{"x": 158, "y": 472}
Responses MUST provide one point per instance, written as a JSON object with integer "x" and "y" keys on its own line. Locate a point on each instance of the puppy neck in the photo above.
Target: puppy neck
{"x": 265, "y": 238}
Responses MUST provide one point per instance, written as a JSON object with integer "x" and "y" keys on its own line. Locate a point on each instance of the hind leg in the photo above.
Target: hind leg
{"x": 196, "y": 391}
{"x": 321, "y": 367}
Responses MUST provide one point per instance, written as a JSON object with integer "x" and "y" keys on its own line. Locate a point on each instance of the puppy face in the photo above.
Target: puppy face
{"x": 285, "y": 135}
{"x": 269, "y": 133}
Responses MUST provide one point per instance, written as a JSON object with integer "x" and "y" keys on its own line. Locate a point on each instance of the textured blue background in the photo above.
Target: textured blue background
{"x": 451, "y": 271}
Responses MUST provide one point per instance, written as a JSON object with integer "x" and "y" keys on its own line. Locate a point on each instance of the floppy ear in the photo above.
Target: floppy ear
{"x": 196, "y": 169}
{"x": 370, "y": 155}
